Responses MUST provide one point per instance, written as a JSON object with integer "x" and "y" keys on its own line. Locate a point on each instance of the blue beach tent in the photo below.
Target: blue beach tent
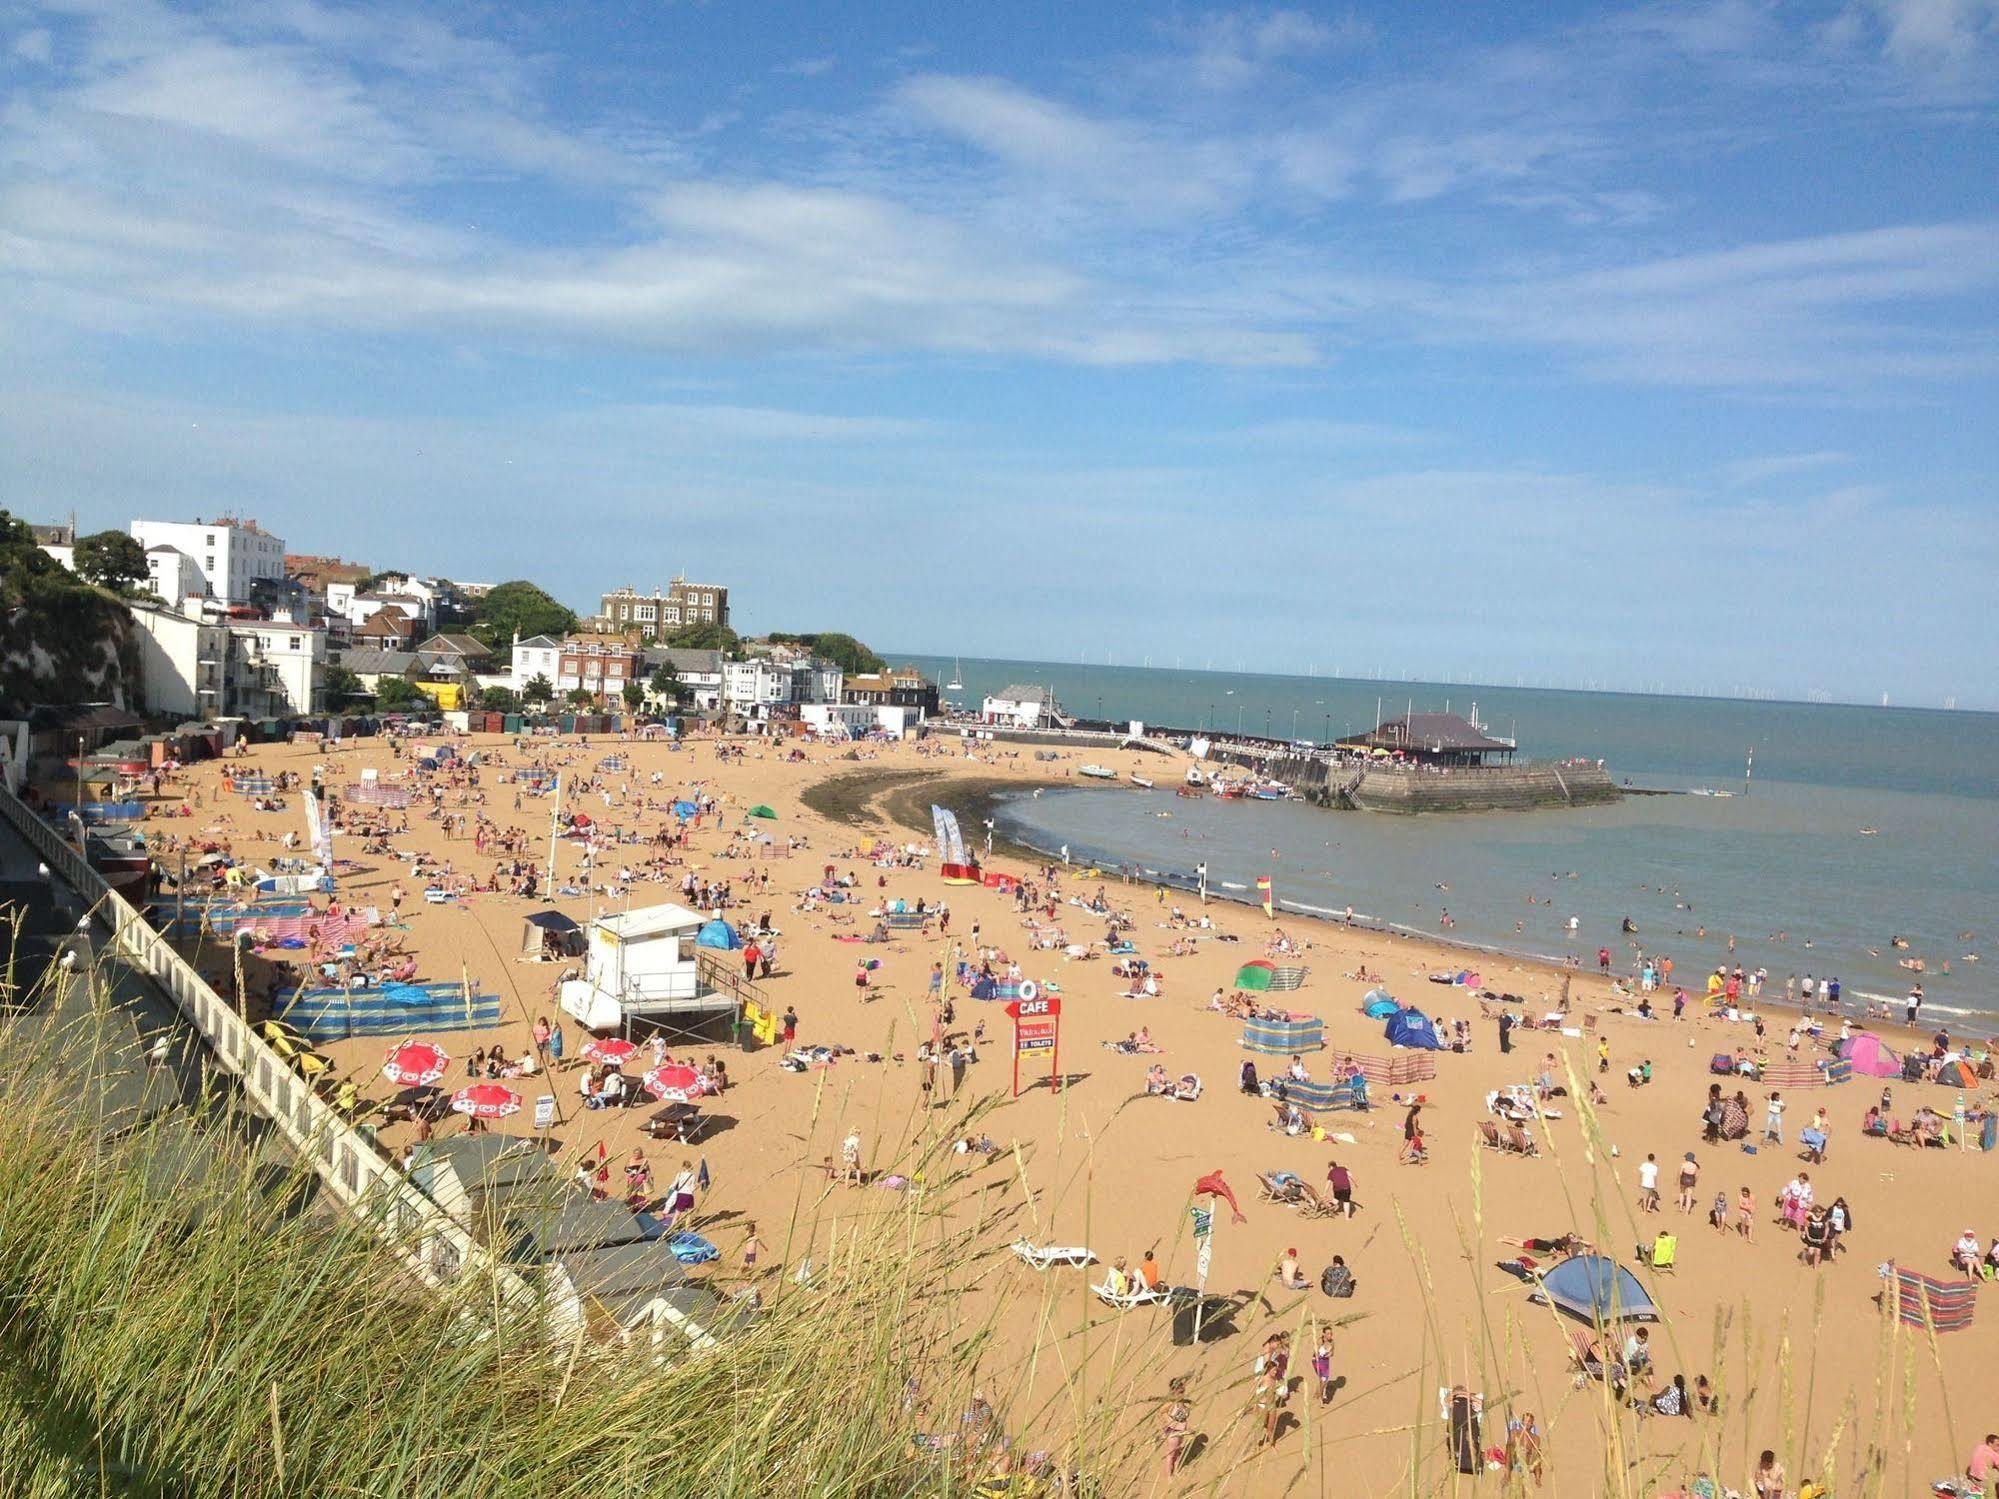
{"x": 718, "y": 933}
{"x": 1379, "y": 1004}
{"x": 1596, "y": 1289}
{"x": 1412, "y": 1028}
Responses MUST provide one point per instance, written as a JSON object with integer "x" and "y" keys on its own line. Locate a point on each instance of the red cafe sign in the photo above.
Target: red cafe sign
{"x": 1037, "y": 1026}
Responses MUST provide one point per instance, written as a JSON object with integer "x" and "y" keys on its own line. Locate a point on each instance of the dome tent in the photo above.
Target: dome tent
{"x": 718, "y": 933}
{"x": 1412, "y": 1028}
{"x": 1597, "y": 1290}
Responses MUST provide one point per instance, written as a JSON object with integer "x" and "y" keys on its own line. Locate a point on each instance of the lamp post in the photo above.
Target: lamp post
{"x": 81, "y": 845}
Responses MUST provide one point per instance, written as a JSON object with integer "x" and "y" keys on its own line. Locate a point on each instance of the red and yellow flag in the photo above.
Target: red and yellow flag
{"x": 1263, "y": 888}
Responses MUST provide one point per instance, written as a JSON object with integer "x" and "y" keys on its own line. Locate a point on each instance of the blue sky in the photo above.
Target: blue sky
{"x": 1651, "y": 345}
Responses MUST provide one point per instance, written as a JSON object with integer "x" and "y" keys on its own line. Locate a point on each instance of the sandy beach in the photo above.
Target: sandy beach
{"x": 1803, "y": 1358}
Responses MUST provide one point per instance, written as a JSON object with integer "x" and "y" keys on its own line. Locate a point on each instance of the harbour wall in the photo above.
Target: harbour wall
{"x": 1344, "y": 786}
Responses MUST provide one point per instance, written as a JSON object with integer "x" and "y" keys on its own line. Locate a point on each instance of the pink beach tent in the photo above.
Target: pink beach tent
{"x": 1870, "y": 1057}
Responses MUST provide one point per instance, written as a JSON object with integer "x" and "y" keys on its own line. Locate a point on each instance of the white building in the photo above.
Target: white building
{"x": 232, "y": 554}
{"x": 274, "y": 668}
{"x": 1021, "y": 707}
{"x": 753, "y": 687}
{"x": 537, "y": 656}
{"x": 700, "y": 672}
{"x": 345, "y": 601}
{"x": 173, "y": 576}
{"x": 641, "y": 964}
{"x": 858, "y": 720}
{"x": 182, "y": 663}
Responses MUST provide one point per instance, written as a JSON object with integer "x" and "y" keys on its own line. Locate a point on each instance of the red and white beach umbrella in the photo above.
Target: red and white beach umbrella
{"x": 415, "y": 1063}
{"x": 612, "y": 1053}
{"x": 486, "y": 1101}
{"x": 673, "y": 1083}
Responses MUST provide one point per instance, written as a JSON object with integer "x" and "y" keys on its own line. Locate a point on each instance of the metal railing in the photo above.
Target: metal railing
{"x": 439, "y": 1249}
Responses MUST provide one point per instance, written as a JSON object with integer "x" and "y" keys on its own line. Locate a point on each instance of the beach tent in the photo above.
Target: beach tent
{"x": 1870, "y": 1057}
{"x": 1284, "y": 1037}
{"x": 1596, "y": 1289}
{"x": 551, "y": 934}
{"x": 1379, "y": 1006}
{"x": 1412, "y": 1028}
{"x": 1254, "y": 975}
{"x": 760, "y": 810}
{"x": 1957, "y": 1075}
{"x": 718, "y": 933}
{"x": 684, "y": 810}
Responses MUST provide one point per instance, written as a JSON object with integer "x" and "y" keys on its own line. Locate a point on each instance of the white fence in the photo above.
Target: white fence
{"x": 432, "y": 1243}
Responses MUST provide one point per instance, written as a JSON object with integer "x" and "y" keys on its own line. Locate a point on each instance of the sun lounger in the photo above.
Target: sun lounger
{"x": 1139, "y": 1294}
{"x": 1043, "y": 1256}
{"x": 1188, "y": 1088}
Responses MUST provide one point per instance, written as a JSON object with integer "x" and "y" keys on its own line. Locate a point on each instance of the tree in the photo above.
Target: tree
{"x": 842, "y": 650}
{"x": 539, "y": 689}
{"x": 500, "y": 700}
{"x": 701, "y": 638}
{"x": 518, "y": 607}
{"x": 665, "y": 683}
{"x": 394, "y": 694}
{"x": 579, "y": 697}
{"x": 111, "y": 559}
{"x": 342, "y": 685}
{"x": 634, "y": 695}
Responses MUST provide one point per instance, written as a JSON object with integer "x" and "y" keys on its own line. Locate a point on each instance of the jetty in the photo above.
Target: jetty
{"x": 1423, "y": 762}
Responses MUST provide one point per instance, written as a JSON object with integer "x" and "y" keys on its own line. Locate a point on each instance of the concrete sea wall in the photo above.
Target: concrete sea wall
{"x": 1511, "y": 789}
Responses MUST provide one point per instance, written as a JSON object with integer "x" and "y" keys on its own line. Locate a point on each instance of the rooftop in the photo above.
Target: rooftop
{"x": 1020, "y": 693}
{"x": 1436, "y": 732}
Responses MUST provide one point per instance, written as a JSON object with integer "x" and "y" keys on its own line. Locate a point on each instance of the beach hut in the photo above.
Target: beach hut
{"x": 1284, "y": 1037}
{"x": 1870, "y": 1056}
{"x": 718, "y": 933}
{"x": 1597, "y": 1290}
{"x": 1254, "y": 975}
{"x": 1412, "y": 1028}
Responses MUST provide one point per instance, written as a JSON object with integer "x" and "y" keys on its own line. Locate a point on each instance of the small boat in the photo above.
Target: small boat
{"x": 1097, "y": 772}
{"x": 1869, "y": 832}
{"x": 1140, "y": 781}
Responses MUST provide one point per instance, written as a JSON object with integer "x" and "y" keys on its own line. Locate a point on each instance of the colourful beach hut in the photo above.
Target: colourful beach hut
{"x": 1284, "y": 1038}
{"x": 1870, "y": 1056}
{"x": 1597, "y": 1290}
{"x": 1412, "y": 1029}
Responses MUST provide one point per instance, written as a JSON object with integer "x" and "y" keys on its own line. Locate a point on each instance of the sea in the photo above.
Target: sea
{"x": 1851, "y": 831}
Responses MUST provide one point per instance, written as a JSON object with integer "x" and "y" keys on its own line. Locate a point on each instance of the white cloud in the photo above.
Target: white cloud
{"x": 35, "y": 46}
{"x": 1747, "y": 471}
{"x": 809, "y": 67}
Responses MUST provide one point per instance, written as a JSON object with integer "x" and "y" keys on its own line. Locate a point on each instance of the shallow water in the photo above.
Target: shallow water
{"x": 1788, "y": 860}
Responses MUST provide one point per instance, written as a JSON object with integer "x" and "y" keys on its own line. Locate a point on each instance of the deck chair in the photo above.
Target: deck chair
{"x": 1661, "y": 1253}
{"x": 1278, "y": 1186}
{"x": 1518, "y": 1139}
{"x": 1314, "y": 1204}
{"x": 1488, "y": 1134}
{"x": 1043, "y": 1256}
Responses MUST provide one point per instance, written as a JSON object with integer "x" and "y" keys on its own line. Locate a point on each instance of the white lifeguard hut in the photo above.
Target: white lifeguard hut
{"x": 642, "y": 965}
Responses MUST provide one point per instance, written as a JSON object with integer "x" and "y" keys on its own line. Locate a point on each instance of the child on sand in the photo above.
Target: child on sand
{"x": 1745, "y": 1214}
{"x": 1718, "y": 1214}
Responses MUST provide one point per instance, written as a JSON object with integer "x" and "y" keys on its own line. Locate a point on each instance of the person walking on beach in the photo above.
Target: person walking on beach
{"x": 1322, "y": 1367}
{"x": 790, "y": 1024}
{"x": 1173, "y": 1432}
{"x": 1648, "y": 1184}
{"x": 1914, "y": 1006}
{"x": 1745, "y": 1214}
{"x": 1690, "y": 1172}
{"x": 1773, "y": 1118}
